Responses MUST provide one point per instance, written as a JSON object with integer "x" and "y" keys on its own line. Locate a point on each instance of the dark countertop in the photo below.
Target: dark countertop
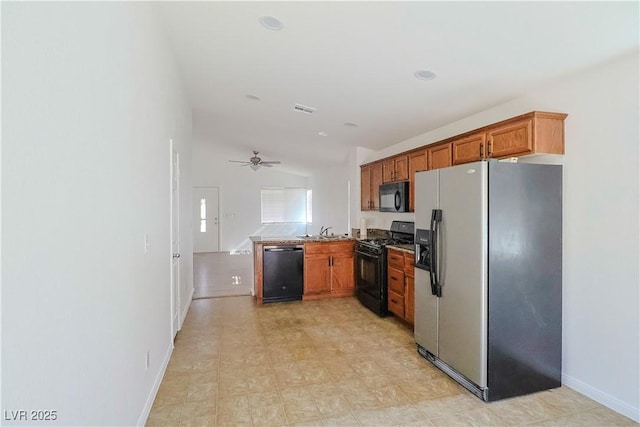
{"x": 294, "y": 240}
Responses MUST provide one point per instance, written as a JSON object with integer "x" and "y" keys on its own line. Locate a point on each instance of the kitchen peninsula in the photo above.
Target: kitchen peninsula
{"x": 328, "y": 264}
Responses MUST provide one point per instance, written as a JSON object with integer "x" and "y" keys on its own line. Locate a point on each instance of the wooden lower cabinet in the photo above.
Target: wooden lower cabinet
{"x": 328, "y": 270}
{"x": 400, "y": 283}
{"x": 317, "y": 274}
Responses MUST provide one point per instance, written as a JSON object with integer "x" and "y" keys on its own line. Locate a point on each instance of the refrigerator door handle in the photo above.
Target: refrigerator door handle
{"x": 432, "y": 279}
{"x": 436, "y": 219}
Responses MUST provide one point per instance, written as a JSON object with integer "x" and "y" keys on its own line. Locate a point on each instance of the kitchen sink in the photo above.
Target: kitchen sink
{"x": 321, "y": 237}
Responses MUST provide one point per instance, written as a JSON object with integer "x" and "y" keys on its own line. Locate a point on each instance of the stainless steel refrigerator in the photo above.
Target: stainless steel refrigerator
{"x": 488, "y": 282}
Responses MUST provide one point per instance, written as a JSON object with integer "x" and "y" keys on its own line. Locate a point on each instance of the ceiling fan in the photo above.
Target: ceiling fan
{"x": 255, "y": 162}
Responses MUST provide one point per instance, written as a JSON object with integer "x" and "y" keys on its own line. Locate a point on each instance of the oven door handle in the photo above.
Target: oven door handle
{"x": 368, "y": 255}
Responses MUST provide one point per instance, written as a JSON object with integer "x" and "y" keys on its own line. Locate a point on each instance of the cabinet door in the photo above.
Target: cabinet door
{"x": 365, "y": 188}
{"x": 395, "y": 259}
{"x": 317, "y": 274}
{"x": 395, "y": 304}
{"x": 342, "y": 273}
{"x": 440, "y": 156}
{"x": 417, "y": 163}
{"x": 395, "y": 280}
{"x": 376, "y": 181}
{"x": 401, "y": 168}
{"x": 409, "y": 299}
{"x": 509, "y": 140}
{"x": 469, "y": 149}
{"x": 388, "y": 170}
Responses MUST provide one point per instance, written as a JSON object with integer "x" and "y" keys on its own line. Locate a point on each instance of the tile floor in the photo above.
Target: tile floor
{"x": 329, "y": 363}
{"x": 217, "y": 274}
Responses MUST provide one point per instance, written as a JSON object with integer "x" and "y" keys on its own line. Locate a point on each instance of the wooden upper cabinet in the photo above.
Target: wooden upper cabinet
{"x": 376, "y": 181}
{"x": 370, "y": 180}
{"x": 535, "y": 132}
{"x": 417, "y": 163}
{"x": 440, "y": 156}
{"x": 516, "y": 138}
{"x": 469, "y": 149}
{"x": 365, "y": 188}
{"x": 402, "y": 168}
{"x": 395, "y": 169}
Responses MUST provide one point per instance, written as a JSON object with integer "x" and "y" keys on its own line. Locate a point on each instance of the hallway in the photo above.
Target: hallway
{"x": 218, "y": 274}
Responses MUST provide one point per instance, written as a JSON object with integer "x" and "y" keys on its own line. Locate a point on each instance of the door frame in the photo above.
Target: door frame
{"x": 217, "y": 213}
{"x": 174, "y": 235}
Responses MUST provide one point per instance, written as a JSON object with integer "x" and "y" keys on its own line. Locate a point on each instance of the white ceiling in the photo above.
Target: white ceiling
{"x": 355, "y": 62}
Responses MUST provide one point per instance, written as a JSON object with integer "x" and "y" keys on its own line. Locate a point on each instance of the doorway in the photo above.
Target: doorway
{"x": 175, "y": 239}
{"x": 206, "y": 232}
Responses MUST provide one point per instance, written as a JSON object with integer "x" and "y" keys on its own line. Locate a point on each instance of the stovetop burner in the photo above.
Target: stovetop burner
{"x": 385, "y": 241}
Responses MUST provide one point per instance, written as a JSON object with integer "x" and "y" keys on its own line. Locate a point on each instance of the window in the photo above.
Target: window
{"x": 285, "y": 205}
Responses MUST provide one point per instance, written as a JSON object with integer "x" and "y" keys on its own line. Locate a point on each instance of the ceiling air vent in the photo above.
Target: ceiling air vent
{"x": 304, "y": 109}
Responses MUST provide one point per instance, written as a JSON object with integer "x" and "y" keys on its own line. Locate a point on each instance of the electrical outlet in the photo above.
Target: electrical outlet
{"x": 146, "y": 243}
{"x": 146, "y": 361}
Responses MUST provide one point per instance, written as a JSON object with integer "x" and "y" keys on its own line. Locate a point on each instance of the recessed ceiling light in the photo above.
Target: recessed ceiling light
{"x": 253, "y": 97}
{"x": 323, "y": 133}
{"x": 271, "y": 22}
{"x": 425, "y": 75}
{"x": 352, "y": 125}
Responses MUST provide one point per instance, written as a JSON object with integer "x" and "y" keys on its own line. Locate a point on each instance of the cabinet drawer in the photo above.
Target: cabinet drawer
{"x": 408, "y": 264}
{"x": 328, "y": 248}
{"x": 395, "y": 280}
{"x": 395, "y": 259}
{"x": 395, "y": 304}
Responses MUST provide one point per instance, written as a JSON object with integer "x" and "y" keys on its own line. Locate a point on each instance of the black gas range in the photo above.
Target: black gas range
{"x": 371, "y": 266}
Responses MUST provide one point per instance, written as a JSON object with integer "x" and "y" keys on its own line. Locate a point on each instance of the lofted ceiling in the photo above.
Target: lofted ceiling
{"x": 354, "y": 62}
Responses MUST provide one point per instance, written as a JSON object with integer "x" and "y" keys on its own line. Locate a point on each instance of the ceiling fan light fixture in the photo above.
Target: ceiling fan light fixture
{"x": 254, "y": 167}
{"x": 271, "y": 22}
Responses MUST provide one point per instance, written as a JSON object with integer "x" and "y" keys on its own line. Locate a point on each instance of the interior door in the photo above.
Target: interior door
{"x": 205, "y": 219}
{"x": 175, "y": 241}
{"x": 462, "y": 253}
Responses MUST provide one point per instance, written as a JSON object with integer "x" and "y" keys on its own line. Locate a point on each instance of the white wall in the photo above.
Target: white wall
{"x": 330, "y": 187}
{"x": 90, "y": 99}
{"x": 240, "y": 195}
{"x": 601, "y": 323}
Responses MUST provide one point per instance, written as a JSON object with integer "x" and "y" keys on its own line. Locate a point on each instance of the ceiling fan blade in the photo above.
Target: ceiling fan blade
{"x": 271, "y": 162}
{"x": 266, "y": 165}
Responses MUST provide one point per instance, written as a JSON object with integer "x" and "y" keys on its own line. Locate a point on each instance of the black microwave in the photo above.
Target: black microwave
{"x": 394, "y": 197}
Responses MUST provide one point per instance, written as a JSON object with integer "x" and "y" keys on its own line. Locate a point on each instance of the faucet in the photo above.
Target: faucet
{"x": 325, "y": 231}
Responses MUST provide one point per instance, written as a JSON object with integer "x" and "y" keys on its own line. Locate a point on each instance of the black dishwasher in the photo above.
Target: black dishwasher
{"x": 282, "y": 273}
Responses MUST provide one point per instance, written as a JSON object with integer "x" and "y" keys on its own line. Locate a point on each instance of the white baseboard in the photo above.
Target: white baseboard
{"x": 605, "y": 399}
{"x": 156, "y": 386}
{"x": 185, "y": 309}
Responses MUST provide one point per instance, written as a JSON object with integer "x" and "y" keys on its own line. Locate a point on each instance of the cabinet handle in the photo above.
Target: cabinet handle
{"x": 489, "y": 148}
{"x": 480, "y": 150}
{"x": 394, "y": 277}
